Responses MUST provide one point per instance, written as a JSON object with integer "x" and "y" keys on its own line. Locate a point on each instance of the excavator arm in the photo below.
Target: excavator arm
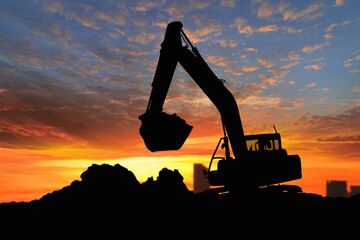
{"x": 161, "y": 131}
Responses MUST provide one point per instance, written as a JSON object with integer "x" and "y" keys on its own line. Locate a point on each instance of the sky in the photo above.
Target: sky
{"x": 75, "y": 76}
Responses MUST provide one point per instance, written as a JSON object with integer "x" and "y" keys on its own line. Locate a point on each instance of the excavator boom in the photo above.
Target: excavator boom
{"x": 172, "y": 52}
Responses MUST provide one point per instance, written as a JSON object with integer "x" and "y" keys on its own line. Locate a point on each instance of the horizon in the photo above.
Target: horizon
{"x": 75, "y": 76}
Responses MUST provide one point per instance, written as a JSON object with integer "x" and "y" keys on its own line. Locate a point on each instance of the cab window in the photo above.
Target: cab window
{"x": 276, "y": 144}
{"x": 269, "y": 145}
{"x": 251, "y": 144}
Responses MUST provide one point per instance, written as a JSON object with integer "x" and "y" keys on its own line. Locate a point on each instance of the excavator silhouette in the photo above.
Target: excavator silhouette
{"x": 259, "y": 160}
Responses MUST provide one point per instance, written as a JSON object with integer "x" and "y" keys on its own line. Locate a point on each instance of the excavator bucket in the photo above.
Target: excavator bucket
{"x": 163, "y": 131}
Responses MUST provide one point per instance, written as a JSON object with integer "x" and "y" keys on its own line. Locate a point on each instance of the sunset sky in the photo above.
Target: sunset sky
{"x": 75, "y": 76}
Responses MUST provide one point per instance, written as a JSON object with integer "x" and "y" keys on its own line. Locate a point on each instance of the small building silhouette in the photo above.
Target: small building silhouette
{"x": 336, "y": 188}
{"x": 201, "y": 183}
{"x": 354, "y": 190}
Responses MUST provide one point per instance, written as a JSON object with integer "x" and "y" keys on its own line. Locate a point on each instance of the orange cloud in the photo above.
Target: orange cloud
{"x": 289, "y": 65}
{"x": 218, "y": 60}
{"x": 339, "y": 3}
{"x": 225, "y": 43}
{"x": 272, "y": 81}
{"x": 348, "y": 62}
{"x": 311, "y": 85}
{"x": 355, "y": 89}
{"x": 251, "y": 49}
{"x": 306, "y": 14}
{"x": 265, "y": 10}
{"x": 278, "y": 74}
{"x": 243, "y": 27}
{"x": 230, "y": 70}
{"x": 328, "y": 36}
{"x": 249, "y": 68}
{"x": 268, "y": 28}
{"x": 268, "y": 9}
{"x": 310, "y": 49}
{"x": 314, "y": 66}
{"x": 331, "y": 27}
{"x": 265, "y": 62}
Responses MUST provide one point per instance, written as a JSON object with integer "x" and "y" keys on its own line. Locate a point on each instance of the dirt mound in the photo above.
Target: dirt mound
{"x": 115, "y": 186}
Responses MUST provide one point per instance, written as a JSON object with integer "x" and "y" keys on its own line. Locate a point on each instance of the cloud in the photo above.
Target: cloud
{"x": 143, "y": 38}
{"x": 56, "y": 116}
{"x": 230, "y": 70}
{"x": 246, "y": 91}
{"x": 225, "y": 43}
{"x": 346, "y": 23}
{"x": 354, "y": 138}
{"x": 91, "y": 16}
{"x": 310, "y": 49}
{"x": 243, "y": 27}
{"x": 265, "y": 62}
{"x": 305, "y": 14}
{"x": 53, "y": 6}
{"x": 313, "y": 127}
{"x": 85, "y": 20}
{"x": 355, "y": 89}
{"x": 268, "y": 28}
{"x": 45, "y": 105}
{"x": 27, "y": 54}
{"x": 292, "y": 30}
{"x": 328, "y": 36}
{"x": 314, "y": 66}
{"x": 289, "y": 65}
{"x": 110, "y": 16}
{"x": 293, "y": 56}
{"x": 331, "y": 27}
{"x": 228, "y": 3}
{"x": 251, "y": 49}
{"x": 311, "y": 85}
{"x": 268, "y": 9}
{"x": 132, "y": 51}
{"x": 275, "y": 79}
{"x": 348, "y": 62}
{"x": 178, "y": 8}
{"x": 200, "y": 4}
{"x": 249, "y": 68}
{"x": 206, "y": 30}
{"x": 233, "y": 43}
{"x": 272, "y": 81}
{"x": 218, "y": 60}
{"x": 111, "y": 57}
{"x": 263, "y": 101}
{"x": 278, "y": 74}
{"x": 146, "y": 5}
{"x": 339, "y": 3}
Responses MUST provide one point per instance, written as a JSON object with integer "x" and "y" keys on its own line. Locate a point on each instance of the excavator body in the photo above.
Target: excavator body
{"x": 266, "y": 163}
{"x": 259, "y": 160}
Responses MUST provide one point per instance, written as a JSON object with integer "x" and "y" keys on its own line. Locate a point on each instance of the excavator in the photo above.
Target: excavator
{"x": 257, "y": 161}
